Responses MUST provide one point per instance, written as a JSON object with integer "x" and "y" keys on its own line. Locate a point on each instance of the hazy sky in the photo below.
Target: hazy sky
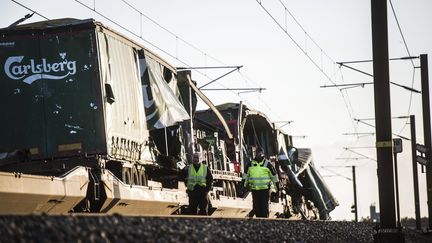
{"x": 214, "y": 33}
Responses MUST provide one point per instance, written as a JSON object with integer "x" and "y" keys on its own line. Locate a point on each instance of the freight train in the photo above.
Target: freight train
{"x": 94, "y": 122}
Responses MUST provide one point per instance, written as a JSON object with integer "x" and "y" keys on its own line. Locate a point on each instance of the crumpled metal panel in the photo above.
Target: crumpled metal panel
{"x": 161, "y": 94}
{"x": 125, "y": 124}
{"x": 329, "y": 200}
{"x": 315, "y": 180}
{"x": 304, "y": 159}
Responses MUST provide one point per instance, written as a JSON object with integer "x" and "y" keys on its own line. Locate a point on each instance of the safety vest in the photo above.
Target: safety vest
{"x": 197, "y": 177}
{"x": 259, "y": 176}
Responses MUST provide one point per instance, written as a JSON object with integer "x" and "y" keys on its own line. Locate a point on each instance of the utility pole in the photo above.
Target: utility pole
{"x": 354, "y": 207}
{"x": 427, "y": 131}
{"x": 415, "y": 172}
{"x": 397, "y": 148}
{"x": 383, "y": 118}
{"x": 355, "y": 193}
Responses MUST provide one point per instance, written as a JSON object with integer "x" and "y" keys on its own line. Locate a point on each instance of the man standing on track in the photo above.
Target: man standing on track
{"x": 199, "y": 182}
{"x": 260, "y": 174}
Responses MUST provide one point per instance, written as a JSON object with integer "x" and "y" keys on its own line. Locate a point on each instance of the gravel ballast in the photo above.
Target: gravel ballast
{"x": 42, "y": 228}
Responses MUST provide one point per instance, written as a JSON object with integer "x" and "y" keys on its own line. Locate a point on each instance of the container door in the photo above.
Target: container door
{"x": 71, "y": 104}
{"x": 22, "y": 123}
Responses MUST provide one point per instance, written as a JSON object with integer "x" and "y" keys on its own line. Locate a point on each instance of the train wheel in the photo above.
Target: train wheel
{"x": 233, "y": 189}
{"x": 135, "y": 177}
{"x": 225, "y": 188}
{"x": 143, "y": 177}
{"x": 126, "y": 175}
{"x": 230, "y": 189}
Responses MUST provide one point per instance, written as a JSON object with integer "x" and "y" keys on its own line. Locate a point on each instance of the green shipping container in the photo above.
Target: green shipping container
{"x": 68, "y": 88}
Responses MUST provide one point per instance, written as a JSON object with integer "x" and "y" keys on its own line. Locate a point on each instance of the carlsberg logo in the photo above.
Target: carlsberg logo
{"x": 32, "y": 70}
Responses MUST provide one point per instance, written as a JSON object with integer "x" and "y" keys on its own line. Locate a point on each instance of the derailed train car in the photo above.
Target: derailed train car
{"x": 72, "y": 100}
{"x": 304, "y": 192}
{"x": 94, "y": 122}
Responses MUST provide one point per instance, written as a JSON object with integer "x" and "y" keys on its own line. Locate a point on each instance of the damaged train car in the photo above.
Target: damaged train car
{"x": 94, "y": 122}
{"x": 304, "y": 192}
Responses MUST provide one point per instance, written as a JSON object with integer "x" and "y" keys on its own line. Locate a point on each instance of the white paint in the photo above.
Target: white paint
{"x": 32, "y": 70}
{"x": 73, "y": 126}
{"x": 93, "y": 105}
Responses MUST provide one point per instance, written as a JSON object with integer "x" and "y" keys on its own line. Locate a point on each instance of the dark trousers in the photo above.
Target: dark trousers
{"x": 198, "y": 199}
{"x": 261, "y": 203}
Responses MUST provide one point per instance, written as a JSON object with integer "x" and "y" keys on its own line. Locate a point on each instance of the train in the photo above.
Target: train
{"x": 94, "y": 122}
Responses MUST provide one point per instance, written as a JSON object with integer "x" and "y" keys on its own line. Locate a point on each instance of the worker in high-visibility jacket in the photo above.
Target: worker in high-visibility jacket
{"x": 199, "y": 182}
{"x": 259, "y": 177}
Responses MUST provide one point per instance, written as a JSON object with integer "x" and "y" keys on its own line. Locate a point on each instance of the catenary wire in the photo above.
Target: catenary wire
{"x": 30, "y": 9}
{"x": 295, "y": 42}
{"x": 247, "y": 80}
{"x": 152, "y": 44}
{"x": 412, "y": 62}
{"x": 172, "y": 33}
{"x": 304, "y": 51}
{"x": 244, "y": 77}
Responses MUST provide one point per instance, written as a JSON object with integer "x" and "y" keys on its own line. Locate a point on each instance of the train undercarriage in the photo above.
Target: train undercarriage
{"x": 115, "y": 187}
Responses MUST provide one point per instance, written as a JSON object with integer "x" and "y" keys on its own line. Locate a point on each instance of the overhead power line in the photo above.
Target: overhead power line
{"x": 390, "y": 59}
{"x": 152, "y": 44}
{"x": 410, "y": 102}
{"x": 131, "y": 32}
{"x": 360, "y": 154}
{"x": 244, "y": 77}
{"x": 210, "y": 67}
{"x": 400, "y": 31}
{"x": 295, "y": 42}
{"x": 335, "y": 173}
{"x": 237, "y": 89}
{"x": 406, "y": 58}
{"x": 367, "y": 124}
{"x": 214, "y": 80}
{"x": 353, "y": 85}
{"x": 170, "y": 32}
{"x": 187, "y": 43}
{"x": 345, "y": 96}
{"x": 37, "y": 13}
{"x": 362, "y": 147}
{"x": 412, "y": 62}
{"x": 306, "y": 33}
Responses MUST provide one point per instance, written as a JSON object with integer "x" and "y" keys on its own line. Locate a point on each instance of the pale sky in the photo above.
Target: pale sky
{"x": 242, "y": 33}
